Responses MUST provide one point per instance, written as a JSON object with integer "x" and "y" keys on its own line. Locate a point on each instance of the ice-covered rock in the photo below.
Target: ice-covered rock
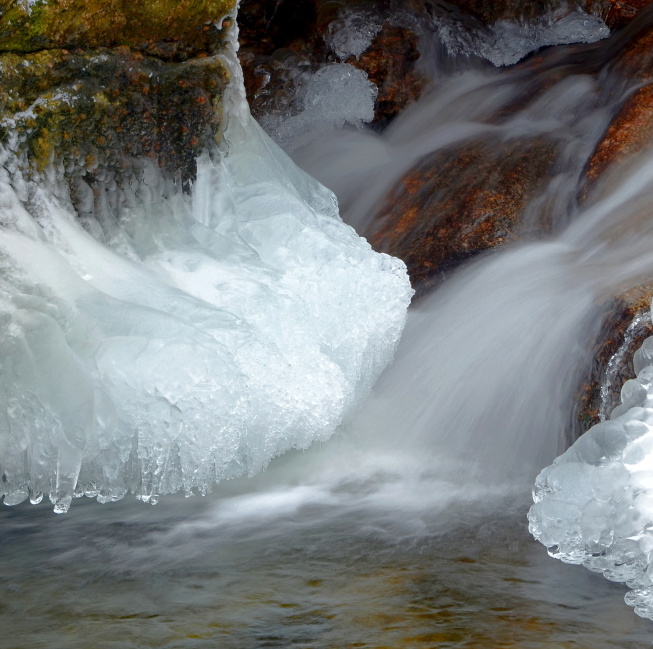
{"x": 594, "y": 505}
{"x": 507, "y": 41}
{"x": 171, "y": 341}
{"x": 337, "y": 94}
{"x": 352, "y": 32}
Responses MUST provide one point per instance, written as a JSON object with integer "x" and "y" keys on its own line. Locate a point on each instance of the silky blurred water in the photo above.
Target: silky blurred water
{"x": 288, "y": 569}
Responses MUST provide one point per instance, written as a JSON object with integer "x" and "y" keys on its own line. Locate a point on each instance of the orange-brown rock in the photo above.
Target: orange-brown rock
{"x": 460, "y": 202}
{"x": 390, "y": 64}
{"x": 630, "y": 132}
{"x": 624, "y": 328}
{"x": 617, "y": 13}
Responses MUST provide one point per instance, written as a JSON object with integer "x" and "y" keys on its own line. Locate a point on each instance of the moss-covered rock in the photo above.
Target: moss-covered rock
{"x": 92, "y": 86}
{"x": 171, "y": 29}
{"x": 102, "y": 107}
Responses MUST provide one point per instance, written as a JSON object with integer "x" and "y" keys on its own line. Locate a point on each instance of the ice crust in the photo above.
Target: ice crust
{"x": 182, "y": 340}
{"x": 506, "y": 42}
{"x": 594, "y": 505}
{"x": 352, "y": 32}
{"x": 337, "y": 94}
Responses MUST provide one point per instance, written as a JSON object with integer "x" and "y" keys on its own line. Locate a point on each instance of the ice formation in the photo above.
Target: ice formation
{"x": 337, "y": 94}
{"x": 506, "y": 42}
{"x": 181, "y": 340}
{"x": 352, "y": 33}
{"x": 594, "y": 505}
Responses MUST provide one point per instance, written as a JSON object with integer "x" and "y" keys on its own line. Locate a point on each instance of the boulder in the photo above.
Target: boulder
{"x": 459, "y": 202}
{"x": 91, "y": 86}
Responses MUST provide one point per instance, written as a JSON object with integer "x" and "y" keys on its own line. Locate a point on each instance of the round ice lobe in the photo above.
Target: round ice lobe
{"x": 342, "y": 94}
{"x": 598, "y": 510}
{"x": 643, "y": 356}
{"x": 601, "y": 444}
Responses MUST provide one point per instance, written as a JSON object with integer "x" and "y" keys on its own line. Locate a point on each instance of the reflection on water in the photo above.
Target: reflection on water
{"x": 299, "y": 567}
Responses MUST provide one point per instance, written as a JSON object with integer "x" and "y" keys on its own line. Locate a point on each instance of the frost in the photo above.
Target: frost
{"x": 337, "y": 94}
{"x": 594, "y": 505}
{"x": 182, "y": 340}
{"x": 352, "y": 33}
{"x": 506, "y": 42}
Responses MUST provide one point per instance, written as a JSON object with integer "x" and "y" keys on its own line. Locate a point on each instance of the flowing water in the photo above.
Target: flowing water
{"x": 407, "y": 528}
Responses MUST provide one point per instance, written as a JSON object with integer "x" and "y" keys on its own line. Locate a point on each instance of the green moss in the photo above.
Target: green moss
{"x": 171, "y": 29}
{"x": 105, "y": 107}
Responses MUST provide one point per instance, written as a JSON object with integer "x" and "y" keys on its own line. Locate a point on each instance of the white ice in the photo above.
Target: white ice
{"x": 506, "y": 41}
{"x": 594, "y": 505}
{"x": 181, "y": 340}
{"x": 338, "y": 94}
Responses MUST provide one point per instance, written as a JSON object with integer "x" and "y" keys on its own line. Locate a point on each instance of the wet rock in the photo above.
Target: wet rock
{"x": 625, "y": 325}
{"x": 284, "y": 43}
{"x": 615, "y": 13}
{"x": 631, "y": 129}
{"x": 139, "y": 81}
{"x": 167, "y": 29}
{"x": 390, "y": 64}
{"x": 460, "y": 202}
{"x": 629, "y": 133}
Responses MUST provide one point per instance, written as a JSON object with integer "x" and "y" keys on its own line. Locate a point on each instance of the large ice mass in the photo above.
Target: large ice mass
{"x": 594, "y": 505}
{"x": 181, "y": 339}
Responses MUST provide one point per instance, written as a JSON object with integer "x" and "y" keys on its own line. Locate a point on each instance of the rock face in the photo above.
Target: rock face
{"x": 92, "y": 85}
{"x": 625, "y": 327}
{"x": 460, "y": 202}
{"x": 284, "y": 43}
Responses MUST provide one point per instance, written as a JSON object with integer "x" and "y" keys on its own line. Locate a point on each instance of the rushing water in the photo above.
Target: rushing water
{"x": 407, "y": 528}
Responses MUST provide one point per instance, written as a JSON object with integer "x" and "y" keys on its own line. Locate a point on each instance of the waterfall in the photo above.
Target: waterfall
{"x": 244, "y": 334}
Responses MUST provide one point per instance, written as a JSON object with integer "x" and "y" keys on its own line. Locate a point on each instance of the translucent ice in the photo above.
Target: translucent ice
{"x": 594, "y": 505}
{"x": 337, "y": 94}
{"x": 506, "y": 42}
{"x": 181, "y": 340}
{"x": 352, "y": 33}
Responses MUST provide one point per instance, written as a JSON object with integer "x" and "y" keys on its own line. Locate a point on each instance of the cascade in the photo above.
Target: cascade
{"x": 242, "y": 334}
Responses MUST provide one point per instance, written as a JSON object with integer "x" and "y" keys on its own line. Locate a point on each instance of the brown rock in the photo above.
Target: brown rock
{"x": 624, "y": 328}
{"x": 630, "y": 132}
{"x": 284, "y": 43}
{"x": 460, "y": 202}
{"x": 616, "y": 13}
{"x": 390, "y": 64}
